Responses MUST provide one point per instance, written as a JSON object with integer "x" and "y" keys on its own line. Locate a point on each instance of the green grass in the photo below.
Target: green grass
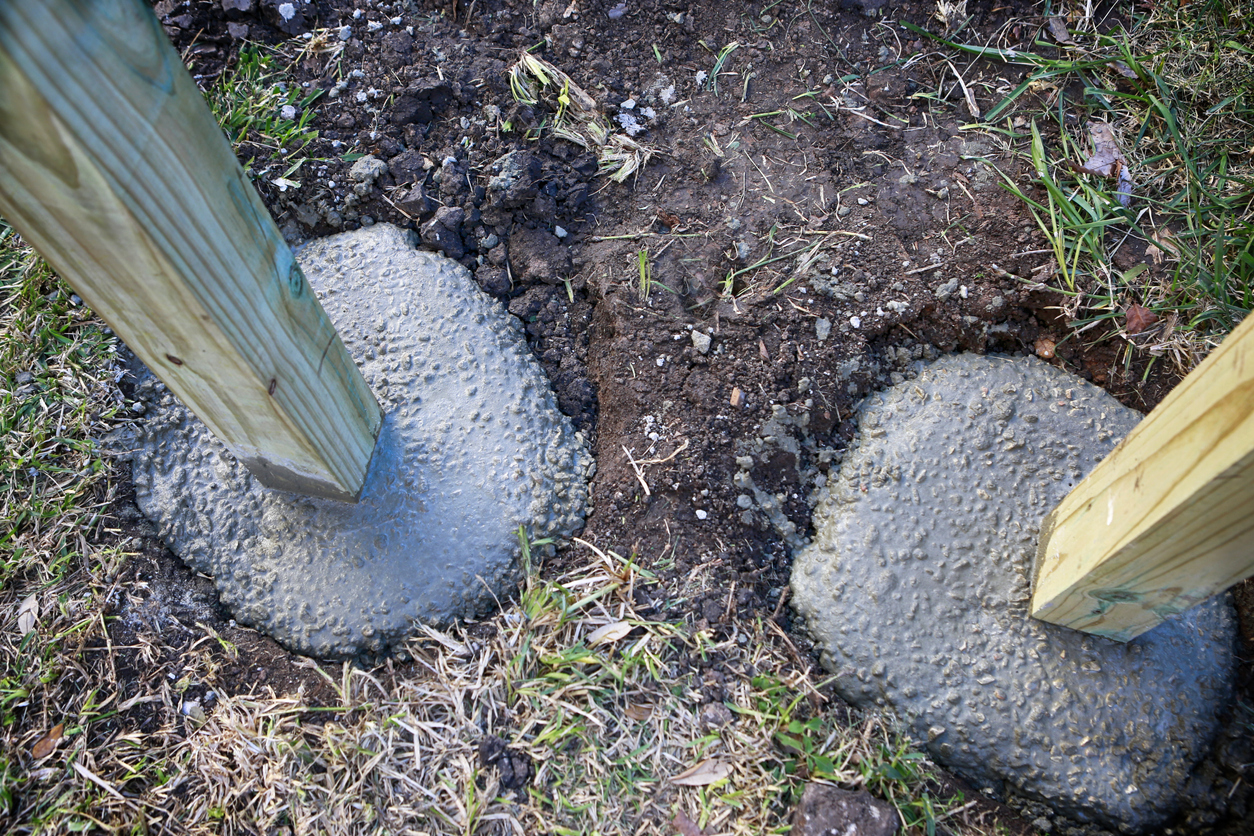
{"x": 1075, "y": 222}
{"x": 598, "y": 701}
{"x": 248, "y": 101}
{"x": 1175, "y": 87}
{"x": 720, "y": 62}
{"x": 58, "y": 392}
{"x": 646, "y": 273}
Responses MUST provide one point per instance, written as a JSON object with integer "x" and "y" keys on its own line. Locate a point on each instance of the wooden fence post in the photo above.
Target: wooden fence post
{"x": 112, "y": 166}
{"x": 1167, "y": 519}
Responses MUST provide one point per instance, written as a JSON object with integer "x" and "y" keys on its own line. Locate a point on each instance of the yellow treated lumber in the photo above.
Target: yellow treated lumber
{"x": 113, "y": 168}
{"x": 1167, "y": 519}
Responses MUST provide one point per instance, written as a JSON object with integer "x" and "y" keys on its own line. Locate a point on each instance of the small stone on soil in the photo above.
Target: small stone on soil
{"x": 825, "y": 810}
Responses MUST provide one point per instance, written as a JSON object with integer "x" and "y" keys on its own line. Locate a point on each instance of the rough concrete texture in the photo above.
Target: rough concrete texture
{"x": 472, "y": 447}
{"x": 917, "y": 584}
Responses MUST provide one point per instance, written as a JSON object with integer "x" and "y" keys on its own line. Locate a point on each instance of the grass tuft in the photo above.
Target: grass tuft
{"x": 257, "y": 107}
{"x": 1174, "y": 90}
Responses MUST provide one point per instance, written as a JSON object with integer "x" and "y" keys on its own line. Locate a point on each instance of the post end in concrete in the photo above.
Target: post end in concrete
{"x": 471, "y": 448}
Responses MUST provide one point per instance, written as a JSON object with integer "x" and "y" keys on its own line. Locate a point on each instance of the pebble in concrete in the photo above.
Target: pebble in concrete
{"x": 917, "y": 584}
{"x": 472, "y": 447}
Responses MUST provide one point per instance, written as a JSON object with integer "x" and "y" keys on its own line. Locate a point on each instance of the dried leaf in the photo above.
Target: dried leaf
{"x": 1164, "y": 238}
{"x": 1058, "y": 28}
{"x": 97, "y": 780}
{"x": 609, "y": 633}
{"x": 455, "y": 647}
{"x": 1105, "y": 149}
{"x": 27, "y": 615}
{"x": 638, "y": 712}
{"x": 1138, "y": 318}
{"x": 1123, "y": 69}
{"x": 685, "y": 825}
{"x": 43, "y": 746}
{"x": 706, "y": 772}
{"x": 1107, "y": 160}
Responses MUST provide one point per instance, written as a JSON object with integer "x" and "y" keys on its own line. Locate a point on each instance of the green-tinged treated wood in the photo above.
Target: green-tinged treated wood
{"x": 112, "y": 166}
{"x": 1167, "y": 519}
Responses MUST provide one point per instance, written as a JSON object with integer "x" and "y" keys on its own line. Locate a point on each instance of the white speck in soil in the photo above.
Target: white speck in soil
{"x": 630, "y": 124}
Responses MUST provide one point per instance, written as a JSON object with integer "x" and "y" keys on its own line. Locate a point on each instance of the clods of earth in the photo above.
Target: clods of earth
{"x": 811, "y": 217}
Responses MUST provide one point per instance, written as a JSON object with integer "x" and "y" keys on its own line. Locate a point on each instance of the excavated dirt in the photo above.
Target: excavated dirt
{"x": 733, "y": 407}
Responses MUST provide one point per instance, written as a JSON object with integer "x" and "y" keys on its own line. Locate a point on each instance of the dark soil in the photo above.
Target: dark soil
{"x": 922, "y": 253}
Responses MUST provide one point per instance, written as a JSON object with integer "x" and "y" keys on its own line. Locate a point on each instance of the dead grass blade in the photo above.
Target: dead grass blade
{"x": 576, "y": 118}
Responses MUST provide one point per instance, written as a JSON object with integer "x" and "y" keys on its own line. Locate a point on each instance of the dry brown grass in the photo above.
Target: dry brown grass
{"x": 57, "y": 393}
{"x": 573, "y": 678}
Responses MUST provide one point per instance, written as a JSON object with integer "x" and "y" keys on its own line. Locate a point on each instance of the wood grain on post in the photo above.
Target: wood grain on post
{"x": 113, "y": 168}
{"x": 1167, "y": 519}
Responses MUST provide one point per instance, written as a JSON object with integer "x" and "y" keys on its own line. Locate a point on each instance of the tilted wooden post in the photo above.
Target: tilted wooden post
{"x": 112, "y": 166}
{"x": 1167, "y": 519}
